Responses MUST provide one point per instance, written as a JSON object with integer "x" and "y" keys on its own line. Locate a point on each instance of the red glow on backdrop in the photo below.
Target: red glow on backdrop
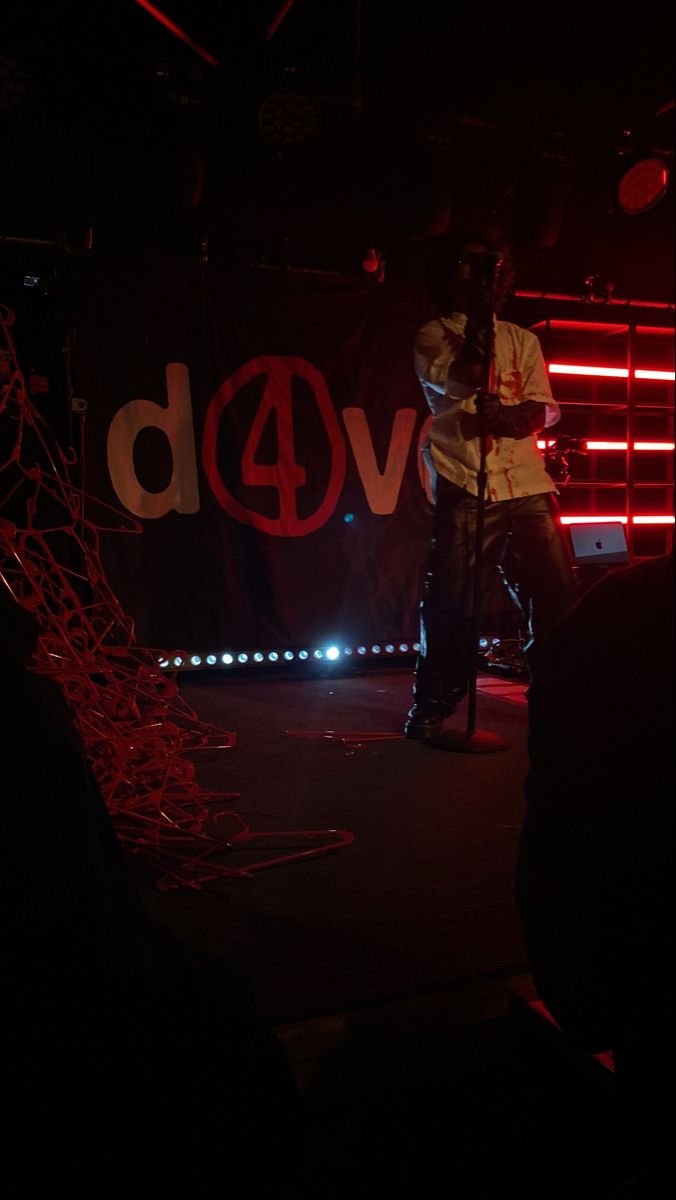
{"x": 140, "y": 734}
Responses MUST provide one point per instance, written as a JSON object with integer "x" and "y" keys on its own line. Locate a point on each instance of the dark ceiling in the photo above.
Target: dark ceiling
{"x": 349, "y": 124}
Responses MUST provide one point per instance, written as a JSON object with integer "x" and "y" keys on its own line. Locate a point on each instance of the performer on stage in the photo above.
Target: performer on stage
{"x": 471, "y": 280}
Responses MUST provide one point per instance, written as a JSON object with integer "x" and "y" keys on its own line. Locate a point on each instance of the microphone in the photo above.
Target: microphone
{"x": 489, "y": 261}
{"x": 484, "y": 269}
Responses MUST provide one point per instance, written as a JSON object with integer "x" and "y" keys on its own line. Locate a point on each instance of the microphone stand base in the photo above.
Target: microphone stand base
{"x": 462, "y": 741}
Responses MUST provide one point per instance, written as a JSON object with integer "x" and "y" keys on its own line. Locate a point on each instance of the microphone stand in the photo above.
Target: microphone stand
{"x": 471, "y": 740}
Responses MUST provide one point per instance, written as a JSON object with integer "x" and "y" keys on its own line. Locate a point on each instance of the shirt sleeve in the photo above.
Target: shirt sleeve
{"x": 436, "y": 348}
{"x": 535, "y": 380}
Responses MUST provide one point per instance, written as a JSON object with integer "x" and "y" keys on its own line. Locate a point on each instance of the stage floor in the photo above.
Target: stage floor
{"x": 421, "y": 903}
{"x": 386, "y": 968}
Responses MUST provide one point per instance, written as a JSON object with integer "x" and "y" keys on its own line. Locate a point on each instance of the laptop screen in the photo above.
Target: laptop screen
{"x": 604, "y": 543}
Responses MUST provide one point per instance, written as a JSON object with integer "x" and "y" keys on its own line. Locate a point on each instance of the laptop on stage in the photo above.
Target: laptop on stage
{"x": 603, "y": 544}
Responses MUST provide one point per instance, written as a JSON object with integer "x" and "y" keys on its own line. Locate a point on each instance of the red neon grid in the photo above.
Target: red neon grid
{"x": 614, "y": 384}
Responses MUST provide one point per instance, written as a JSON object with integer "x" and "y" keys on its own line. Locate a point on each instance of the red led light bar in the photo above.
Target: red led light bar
{"x": 607, "y": 445}
{"x": 601, "y": 519}
{"x": 577, "y": 369}
{"x": 593, "y": 520}
{"x": 606, "y": 372}
{"x": 591, "y": 445}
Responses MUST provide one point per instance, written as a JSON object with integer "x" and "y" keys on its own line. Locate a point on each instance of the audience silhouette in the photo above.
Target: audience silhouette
{"x": 129, "y": 1055}
{"x": 595, "y": 872}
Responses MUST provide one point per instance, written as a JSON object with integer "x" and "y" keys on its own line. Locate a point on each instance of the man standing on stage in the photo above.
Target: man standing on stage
{"x": 471, "y": 280}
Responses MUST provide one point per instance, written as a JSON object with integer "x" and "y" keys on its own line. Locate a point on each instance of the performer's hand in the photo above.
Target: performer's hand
{"x": 488, "y": 408}
{"x": 468, "y": 423}
{"x": 509, "y": 420}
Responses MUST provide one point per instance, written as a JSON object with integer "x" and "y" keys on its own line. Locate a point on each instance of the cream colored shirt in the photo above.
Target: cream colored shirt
{"x": 514, "y": 466}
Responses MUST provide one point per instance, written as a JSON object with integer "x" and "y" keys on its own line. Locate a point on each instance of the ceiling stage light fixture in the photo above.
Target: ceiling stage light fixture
{"x": 289, "y": 118}
{"x": 642, "y": 186}
{"x": 13, "y": 83}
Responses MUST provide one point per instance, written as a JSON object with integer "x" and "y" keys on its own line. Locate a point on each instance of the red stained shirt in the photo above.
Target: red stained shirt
{"x": 514, "y": 466}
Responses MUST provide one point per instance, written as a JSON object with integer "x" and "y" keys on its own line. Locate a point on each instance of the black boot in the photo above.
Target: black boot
{"x": 434, "y": 700}
{"x": 422, "y": 723}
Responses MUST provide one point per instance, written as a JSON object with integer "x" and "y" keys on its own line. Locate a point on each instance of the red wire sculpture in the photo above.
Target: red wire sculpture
{"x": 141, "y": 736}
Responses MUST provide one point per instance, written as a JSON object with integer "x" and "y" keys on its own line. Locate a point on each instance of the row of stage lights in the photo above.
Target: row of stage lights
{"x": 322, "y": 654}
{"x": 244, "y": 658}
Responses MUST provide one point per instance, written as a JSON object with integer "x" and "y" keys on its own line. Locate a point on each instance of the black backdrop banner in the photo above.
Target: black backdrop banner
{"x": 263, "y": 428}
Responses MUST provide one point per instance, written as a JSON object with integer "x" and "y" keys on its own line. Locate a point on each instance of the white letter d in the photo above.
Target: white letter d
{"x": 176, "y": 422}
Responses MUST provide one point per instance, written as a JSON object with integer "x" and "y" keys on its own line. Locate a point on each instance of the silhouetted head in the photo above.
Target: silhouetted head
{"x": 459, "y": 251}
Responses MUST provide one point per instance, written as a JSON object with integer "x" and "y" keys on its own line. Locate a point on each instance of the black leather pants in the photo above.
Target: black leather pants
{"x": 523, "y": 538}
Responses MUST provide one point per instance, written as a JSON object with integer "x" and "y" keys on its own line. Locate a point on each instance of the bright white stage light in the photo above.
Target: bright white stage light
{"x": 242, "y": 658}
{"x": 178, "y": 662}
{"x": 258, "y": 657}
{"x": 289, "y": 655}
{"x": 196, "y": 660}
{"x": 211, "y": 659}
{"x": 273, "y": 656}
{"x": 333, "y": 653}
{"x": 303, "y": 654}
{"x": 227, "y": 659}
